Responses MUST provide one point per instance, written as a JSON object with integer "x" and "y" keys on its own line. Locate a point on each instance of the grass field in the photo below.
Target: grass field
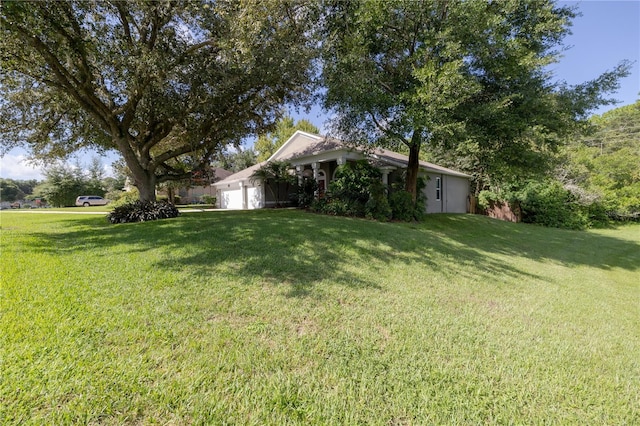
{"x": 109, "y": 207}
{"x": 286, "y": 317}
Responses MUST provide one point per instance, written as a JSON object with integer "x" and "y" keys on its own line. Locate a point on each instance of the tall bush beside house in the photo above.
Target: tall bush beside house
{"x": 548, "y": 203}
{"x": 276, "y": 174}
{"x": 377, "y": 206}
{"x": 402, "y": 206}
{"x": 306, "y": 192}
{"x": 357, "y": 191}
{"x": 353, "y": 181}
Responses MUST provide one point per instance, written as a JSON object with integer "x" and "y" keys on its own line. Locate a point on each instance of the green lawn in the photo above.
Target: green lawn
{"x": 109, "y": 207}
{"x": 286, "y": 317}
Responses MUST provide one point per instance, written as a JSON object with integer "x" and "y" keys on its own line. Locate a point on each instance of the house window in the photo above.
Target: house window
{"x": 438, "y": 188}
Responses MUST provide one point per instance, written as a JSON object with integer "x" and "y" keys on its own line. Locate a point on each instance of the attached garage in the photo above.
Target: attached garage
{"x": 242, "y": 198}
{"x": 231, "y": 199}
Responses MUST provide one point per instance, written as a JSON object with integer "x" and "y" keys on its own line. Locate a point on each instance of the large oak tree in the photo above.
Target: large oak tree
{"x": 468, "y": 78}
{"x": 165, "y": 83}
{"x": 393, "y": 73}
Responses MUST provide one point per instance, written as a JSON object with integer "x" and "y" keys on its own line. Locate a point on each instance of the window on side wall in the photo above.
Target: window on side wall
{"x": 438, "y": 188}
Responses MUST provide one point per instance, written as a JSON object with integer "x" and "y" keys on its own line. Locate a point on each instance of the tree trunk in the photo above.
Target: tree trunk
{"x": 414, "y": 166}
{"x": 146, "y": 186}
{"x": 143, "y": 179}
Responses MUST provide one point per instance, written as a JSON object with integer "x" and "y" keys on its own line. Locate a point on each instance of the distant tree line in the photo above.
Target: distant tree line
{"x": 603, "y": 166}
{"x": 15, "y": 189}
{"x": 63, "y": 183}
{"x": 596, "y": 178}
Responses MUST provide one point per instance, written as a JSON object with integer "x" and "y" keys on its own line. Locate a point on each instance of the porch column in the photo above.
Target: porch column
{"x": 341, "y": 160}
{"x": 299, "y": 170}
{"x": 243, "y": 192}
{"x": 385, "y": 177}
{"x": 385, "y": 174}
{"x": 315, "y": 166}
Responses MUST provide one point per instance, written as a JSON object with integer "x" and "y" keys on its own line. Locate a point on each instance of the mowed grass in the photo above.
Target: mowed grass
{"x": 286, "y": 317}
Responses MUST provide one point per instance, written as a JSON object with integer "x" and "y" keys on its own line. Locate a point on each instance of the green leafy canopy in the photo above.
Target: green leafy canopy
{"x": 164, "y": 83}
{"x": 467, "y": 80}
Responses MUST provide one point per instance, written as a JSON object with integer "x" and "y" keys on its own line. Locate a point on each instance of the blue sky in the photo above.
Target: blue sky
{"x": 606, "y": 33}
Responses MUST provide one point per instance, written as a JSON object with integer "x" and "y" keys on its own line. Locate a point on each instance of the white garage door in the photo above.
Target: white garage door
{"x": 231, "y": 199}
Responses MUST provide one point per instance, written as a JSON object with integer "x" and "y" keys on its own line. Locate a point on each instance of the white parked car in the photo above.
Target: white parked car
{"x": 91, "y": 200}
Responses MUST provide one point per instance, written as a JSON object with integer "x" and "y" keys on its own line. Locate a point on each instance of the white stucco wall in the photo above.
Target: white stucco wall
{"x": 454, "y": 192}
{"x": 254, "y": 197}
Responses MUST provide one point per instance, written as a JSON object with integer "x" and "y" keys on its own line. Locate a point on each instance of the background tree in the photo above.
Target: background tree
{"x": 62, "y": 184}
{"x": 10, "y": 191}
{"x": 269, "y": 142}
{"x": 156, "y": 81}
{"x": 236, "y": 160}
{"x": 605, "y": 164}
{"x": 95, "y": 178}
{"x": 26, "y": 186}
{"x": 518, "y": 120}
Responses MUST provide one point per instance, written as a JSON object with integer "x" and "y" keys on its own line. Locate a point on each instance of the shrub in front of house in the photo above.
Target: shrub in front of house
{"x": 402, "y": 206}
{"x": 306, "y": 192}
{"x": 356, "y": 191}
{"x": 143, "y": 211}
{"x": 209, "y": 199}
{"x": 377, "y": 206}
{"x": 549, "y": 203}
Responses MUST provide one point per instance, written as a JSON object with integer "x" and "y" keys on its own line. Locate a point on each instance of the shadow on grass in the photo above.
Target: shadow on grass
{"x": 300, "y": 249}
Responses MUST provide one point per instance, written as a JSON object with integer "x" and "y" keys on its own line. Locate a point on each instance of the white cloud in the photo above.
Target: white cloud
{"x": 16, "y": 166}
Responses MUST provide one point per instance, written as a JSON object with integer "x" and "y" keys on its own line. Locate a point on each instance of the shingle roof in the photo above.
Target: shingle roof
{"x": 305, "y": 147}
{"x": 310, "y": 145}
{"x": 242, "y": 174}
{"x": 221, "y": 173}
{"x": 394, "y": 157}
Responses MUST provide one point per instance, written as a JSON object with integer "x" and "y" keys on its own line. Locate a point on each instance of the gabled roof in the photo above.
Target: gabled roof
{"x": 221, "y": 173}
{"x": 302, "y": 144}
{"x": 401, "y": 160}
{"x": 241, "y": 175}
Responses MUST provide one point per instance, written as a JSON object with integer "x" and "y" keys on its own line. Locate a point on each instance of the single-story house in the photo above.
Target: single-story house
{"x": 447, "y": 191}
